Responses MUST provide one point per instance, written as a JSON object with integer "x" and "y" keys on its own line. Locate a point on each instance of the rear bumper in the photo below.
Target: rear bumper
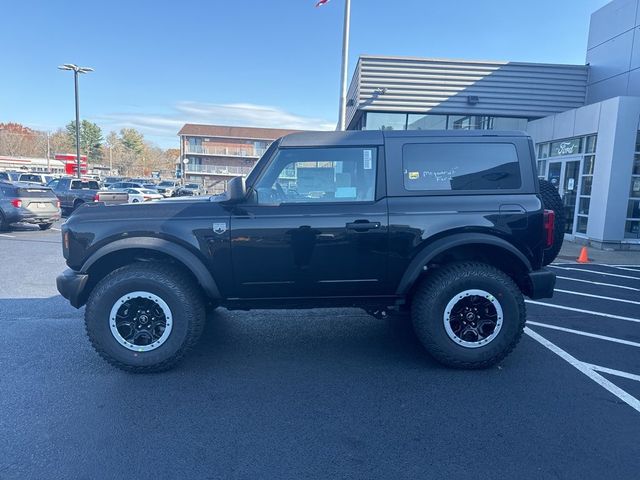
{"x": 25, "y": 216}
{"x": 540, "y": 284}
{"x": 71, "y": 285}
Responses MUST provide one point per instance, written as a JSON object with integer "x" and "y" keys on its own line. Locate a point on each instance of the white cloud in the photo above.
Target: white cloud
{"x": 164, "y": 127}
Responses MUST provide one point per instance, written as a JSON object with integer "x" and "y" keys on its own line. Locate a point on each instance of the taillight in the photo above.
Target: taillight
{"x": 96, "y": 197}
{"x": 16, "y": 202}
{"x": 549, "y": 225}
{"x": 57, "y": 203}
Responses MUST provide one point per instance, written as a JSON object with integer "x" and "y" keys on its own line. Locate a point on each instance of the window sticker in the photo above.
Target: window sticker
{"x": 367, "y": 156}
{"x": 414, "y": 175}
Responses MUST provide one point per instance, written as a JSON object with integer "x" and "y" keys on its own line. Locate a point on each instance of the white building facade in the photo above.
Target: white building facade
{"x": 584, "y": 119}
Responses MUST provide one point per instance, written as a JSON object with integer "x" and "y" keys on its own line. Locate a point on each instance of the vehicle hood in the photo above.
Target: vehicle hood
{"x": 166, "y": 209}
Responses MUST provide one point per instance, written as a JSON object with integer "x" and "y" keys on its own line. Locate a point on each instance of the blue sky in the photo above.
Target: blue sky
{"x": 269, "y": 63}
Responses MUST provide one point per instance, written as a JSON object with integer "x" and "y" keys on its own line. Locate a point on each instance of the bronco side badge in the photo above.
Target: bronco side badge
{"x": 219, "y": 228}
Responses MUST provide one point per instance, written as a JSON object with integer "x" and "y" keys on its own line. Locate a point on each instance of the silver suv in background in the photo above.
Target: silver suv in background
{"x": 25, "y": 203}
{"x": 168, "y": 188}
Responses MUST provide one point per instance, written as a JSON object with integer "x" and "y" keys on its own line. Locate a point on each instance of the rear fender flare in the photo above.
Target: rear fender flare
{"x": 416, "y": 267}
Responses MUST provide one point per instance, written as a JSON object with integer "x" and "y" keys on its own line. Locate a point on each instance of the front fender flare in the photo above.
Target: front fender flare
{"x": 180, "y": 253}
{"x": 415, "y": 268}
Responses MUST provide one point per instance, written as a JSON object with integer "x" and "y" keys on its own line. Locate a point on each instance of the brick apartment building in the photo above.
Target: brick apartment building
{"x": 216, "y": 154}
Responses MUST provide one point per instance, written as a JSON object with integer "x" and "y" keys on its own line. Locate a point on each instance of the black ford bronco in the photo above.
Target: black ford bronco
{"x": 450, "y": 226}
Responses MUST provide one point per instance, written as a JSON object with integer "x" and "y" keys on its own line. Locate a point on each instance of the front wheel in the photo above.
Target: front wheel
{"x": 45, "y": 226}
{"x": 145, "y": 317}
{"x": 468, "y": 315}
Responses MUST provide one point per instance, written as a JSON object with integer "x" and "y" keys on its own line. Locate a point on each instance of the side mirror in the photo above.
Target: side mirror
{"x": 236, "y": 190}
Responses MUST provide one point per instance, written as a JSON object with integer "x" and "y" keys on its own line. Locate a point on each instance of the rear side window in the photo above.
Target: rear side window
{"x": 461, "y": 166}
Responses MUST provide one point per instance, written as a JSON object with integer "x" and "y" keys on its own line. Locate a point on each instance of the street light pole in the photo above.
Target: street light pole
{"x": 345, "y": 66}
{"x": 75, "y": 81}
{"x": 76, "y": 70}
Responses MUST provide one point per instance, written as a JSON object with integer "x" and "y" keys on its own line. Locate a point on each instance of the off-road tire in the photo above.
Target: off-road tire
{"x": 552, "y": 201}
{"x": 173, "y": 286}
{"x": 439, "y": 287}
{"x": 45, "y": 226}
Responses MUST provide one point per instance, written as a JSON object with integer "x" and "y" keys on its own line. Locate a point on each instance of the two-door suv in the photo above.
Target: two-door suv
{"x": 448, "y": 225}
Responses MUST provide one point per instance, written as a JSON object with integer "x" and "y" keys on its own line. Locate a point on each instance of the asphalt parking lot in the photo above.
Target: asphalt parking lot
{"x": 320, "y": 394}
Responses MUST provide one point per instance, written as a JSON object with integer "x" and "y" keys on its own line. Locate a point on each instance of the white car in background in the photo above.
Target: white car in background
{"x": 140, "y": 195}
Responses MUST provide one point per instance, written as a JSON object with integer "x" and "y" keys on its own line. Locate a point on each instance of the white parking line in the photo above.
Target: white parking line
{"x": 596, "y": 272}
{"x": 599, "y": 283}
{"x": 597, "y": 296}
{"x": 585, "y": 334}
{"x": 621, "y": 267}
{"x": 611, "y": 371}
{"x": 579, "y": 310}
{"x": 586, "y": 370}
{"x": 8, "y": 236}
{"x": 56, "y": 229}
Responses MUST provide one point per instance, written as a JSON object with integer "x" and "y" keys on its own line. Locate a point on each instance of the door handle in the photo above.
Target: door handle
{"x": 363, "y": 225}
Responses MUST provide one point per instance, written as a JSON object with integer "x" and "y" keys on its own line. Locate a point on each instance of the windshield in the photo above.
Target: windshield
{"x": 166, "y": 184}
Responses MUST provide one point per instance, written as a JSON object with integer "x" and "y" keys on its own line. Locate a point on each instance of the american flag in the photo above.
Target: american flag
{"x": 321, "y": 3}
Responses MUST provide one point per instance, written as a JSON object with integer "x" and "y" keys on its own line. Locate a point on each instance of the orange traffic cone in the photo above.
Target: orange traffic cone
{"x": 584, "y": 256}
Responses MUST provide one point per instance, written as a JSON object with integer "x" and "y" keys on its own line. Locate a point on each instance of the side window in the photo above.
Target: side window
{"x": 76, "y": 185}
{"x": 460, "y": 166}
{"x": 53, "y": 184}
{"x": 312, "y": 175}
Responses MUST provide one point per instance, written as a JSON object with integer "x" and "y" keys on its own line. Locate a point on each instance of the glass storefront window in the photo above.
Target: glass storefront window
{"x": 542, "y": 167}
{"x": 589, "y": 162}
{"x": 635, "y": 187}
{"x": 583, "y": 208}
{"x": 581, "y": 226}
{"x": 636, "y": 165}
{"x": 386, "y": 121}
{"x": 506, "y": 123}
{"x": 632, "y": 229}
{"x": 587, "y": 182}
{"x": 633, "y": 211}
{"x": 427, "y": 122}
{"x": 591, "y": 144}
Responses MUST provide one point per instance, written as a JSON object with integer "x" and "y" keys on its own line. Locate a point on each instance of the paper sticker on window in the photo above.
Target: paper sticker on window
{"x": 636, "y": 185}
{"x": 367, "y": 156}
{"x": 570, "y": 184}
{"x": 414, "y": 175}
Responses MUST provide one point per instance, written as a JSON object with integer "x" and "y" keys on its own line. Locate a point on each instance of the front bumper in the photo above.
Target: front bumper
{"x": 71, "y": 285}
{"x": 540, "y": 284}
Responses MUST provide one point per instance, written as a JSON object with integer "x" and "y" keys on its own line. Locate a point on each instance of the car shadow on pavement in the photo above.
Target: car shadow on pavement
{"x": 308, "y": 337}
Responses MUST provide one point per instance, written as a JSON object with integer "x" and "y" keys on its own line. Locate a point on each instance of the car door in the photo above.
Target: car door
{"x": 314, "y": 225}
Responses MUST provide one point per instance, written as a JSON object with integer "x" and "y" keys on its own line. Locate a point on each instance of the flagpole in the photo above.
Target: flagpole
{"x": 345, "y": 66}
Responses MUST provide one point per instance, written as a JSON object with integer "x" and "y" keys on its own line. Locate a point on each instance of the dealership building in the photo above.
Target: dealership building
{"x": 584, "y": 119}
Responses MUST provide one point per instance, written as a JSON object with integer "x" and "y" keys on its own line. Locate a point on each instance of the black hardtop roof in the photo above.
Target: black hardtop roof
{"x": 376, "y": 137}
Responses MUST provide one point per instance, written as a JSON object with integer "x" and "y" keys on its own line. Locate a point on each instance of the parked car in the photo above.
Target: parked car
{"x": 190, "y": 189}
{"x": 150, "y": 186}
{"x": 25, "y": 203}
{"x": 108, "y": 181}
{"x": 111, "y": 197}
{"x": 74, "y": 192}
{"x": 139, "y": 195}
{"x": 168, "y": 188}
{"x": 35, "y": 178}
{"x": 450, "y": 226}
{"x": 124, "y": 185}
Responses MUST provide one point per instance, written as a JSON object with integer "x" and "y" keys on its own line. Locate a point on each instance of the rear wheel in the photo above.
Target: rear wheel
{"x": 468, "y": 315}
{"x": 552, "y": 201}
{"x": 145, "y": 317}
{"x": 45, "y": 226}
